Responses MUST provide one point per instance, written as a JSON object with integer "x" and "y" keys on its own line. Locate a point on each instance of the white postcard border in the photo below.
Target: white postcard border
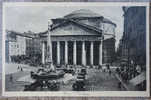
{"x": 79, "y": 93}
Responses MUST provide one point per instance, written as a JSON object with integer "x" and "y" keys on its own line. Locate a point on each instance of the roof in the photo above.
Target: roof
{"x": 85, "y": 13}
{"x": 82, "y": 13}
{"x": 105, "y": 20}
{"x": 88, "y": 26}
{"x": 78, "y": 23}
{"x": 24, "y": 34}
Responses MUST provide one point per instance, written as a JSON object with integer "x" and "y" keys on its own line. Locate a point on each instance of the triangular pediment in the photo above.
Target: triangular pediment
{"x": 70, "y": 28}
{"x": 108, "y": 36}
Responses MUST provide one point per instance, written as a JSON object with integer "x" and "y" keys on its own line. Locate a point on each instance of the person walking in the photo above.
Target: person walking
{"x": 11, "y": 78}
{"x": 110, "y": 72}
{"x": 18, "y": 67}
{"x": 21, "y": 69}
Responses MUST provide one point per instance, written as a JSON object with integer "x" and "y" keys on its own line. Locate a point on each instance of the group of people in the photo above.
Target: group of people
{"x": 128, "y": 72}
{"x": 20, "y": 68}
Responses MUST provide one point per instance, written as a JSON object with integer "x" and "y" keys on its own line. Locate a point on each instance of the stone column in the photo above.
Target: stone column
{"x": 58, "y": 52}
{"x": 43, "y": 53}
{"x": 74, "y": 53}
{"x": 83, "y": 54}
{"x": 91, "y": 53}
{"x": 100, "y": 53}
{"x": 66, "y": 52}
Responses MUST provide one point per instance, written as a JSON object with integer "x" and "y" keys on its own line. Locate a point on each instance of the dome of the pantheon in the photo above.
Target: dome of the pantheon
{"x": 82, "y": 13}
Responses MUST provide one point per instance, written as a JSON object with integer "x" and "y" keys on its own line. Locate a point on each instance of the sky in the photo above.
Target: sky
{"x": 35, "y": 18}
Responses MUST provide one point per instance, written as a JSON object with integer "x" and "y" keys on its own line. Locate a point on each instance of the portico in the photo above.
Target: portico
{"x": 74, "y": 52}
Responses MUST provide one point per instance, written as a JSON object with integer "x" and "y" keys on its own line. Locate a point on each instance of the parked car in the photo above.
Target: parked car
{"x": 83, "y": 71}
{"x": 69, "y": 69}
{"x": 79, "y": 85}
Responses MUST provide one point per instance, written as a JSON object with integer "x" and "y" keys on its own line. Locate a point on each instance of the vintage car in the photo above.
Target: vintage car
{"x": 79, "y": 85}
{"x": 69, "y": 69}
{"x": 47, "y": 75}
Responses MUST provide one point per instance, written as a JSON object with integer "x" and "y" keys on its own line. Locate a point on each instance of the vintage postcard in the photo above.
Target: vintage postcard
{"x": 76, "y": 49}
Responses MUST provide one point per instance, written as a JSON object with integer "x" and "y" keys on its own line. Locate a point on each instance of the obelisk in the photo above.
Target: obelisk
{"x": 50, "y": 61}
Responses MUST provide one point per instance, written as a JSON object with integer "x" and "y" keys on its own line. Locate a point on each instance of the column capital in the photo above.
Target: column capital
{"x": 92, "y": 41}
{"x": 43, "y": 41}
{"x": 83, "y": 42}
{"x": 101, "y": 38}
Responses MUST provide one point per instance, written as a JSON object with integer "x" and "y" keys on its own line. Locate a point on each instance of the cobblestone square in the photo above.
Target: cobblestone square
{"x": 96, "y": 80}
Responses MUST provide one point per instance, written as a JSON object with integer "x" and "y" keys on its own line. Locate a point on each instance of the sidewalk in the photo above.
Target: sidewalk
{"x": 11, "y": 68}
{"x": 97, "y": 80}
{"x": 126, "y": 86}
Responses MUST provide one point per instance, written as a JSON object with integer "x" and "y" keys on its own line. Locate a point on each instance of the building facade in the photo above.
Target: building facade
{"x": 21, "y": 44}
{"x": 15, "y": 45}
{"x": 134, "y": 36}
{"x": 33, "y": 45}
{"x": 80, "y": 38}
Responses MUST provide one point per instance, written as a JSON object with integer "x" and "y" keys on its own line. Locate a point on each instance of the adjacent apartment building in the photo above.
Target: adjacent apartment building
{"x": 15, "y": 45}
{"x": 21, "y": 44}
{"x": 133, "y": 43}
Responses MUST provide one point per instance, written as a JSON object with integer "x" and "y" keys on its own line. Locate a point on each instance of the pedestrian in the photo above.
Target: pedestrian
{"x": 110, "y": 72}
{"x": 100, "y": 67}
{"x": 108, "y": 67}
{"x": 119, "y": 85}
{"x": 18, "y": 67}
{"x": 126, "y": 77}
{"x": 21, "y": 69}
{"x": 11, "y": 78}
{"x": 104, "y": 70}
{"x": 117, "y": 70}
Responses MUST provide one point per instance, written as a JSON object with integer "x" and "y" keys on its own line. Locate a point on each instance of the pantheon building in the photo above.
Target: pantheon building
{"x": 82, "y": 37}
